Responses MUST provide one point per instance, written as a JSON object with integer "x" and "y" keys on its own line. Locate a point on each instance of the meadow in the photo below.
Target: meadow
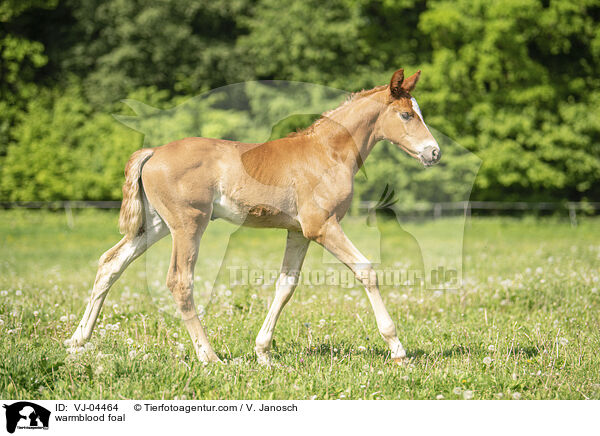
{"x": 524, "y": 324}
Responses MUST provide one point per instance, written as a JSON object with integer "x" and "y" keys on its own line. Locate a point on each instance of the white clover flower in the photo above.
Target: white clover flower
{"x": 228, "y": 293}
{"x": 516, "y": 396}
{"x": 35, "y": 313}
{"x": 439, "y": 397}
{"x": 64, "y": 318}
{"x": 145, "y": 356}
{"x": 180, "y": 346}
{"x": 175, "y": 335}
{"x": 457, "y": 390}
{"x": 99, "y": 370}
{"x": 326, "y": 337}
{"x": 18, "y": 292}
{"x": 102, "y": 332}
{"x": 3, "y": 293}
{"x": 563, "y": 341}
{"x": 254, "y": 296}
{"x": 362, "y": 349}
{"x": 487, "y": 360}
{"x": 467, "y": 395}
{"x": 129, "y": 341}
{"x": 132, "y": 354}
{"x": 491, "y": 348}
{"x": 1, "y": 322}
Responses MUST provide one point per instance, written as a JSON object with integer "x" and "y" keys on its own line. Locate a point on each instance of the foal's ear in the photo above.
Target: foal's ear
{"x": 410, "y": 83}
{"x": 396, "y": 83}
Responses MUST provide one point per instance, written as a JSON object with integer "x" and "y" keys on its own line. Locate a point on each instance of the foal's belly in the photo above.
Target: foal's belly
{"x": 267, "y": 213}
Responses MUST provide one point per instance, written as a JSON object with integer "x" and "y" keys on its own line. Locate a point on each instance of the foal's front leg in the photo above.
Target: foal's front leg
{"x": 295, "y": 251}
{"x": 332, "y": 237}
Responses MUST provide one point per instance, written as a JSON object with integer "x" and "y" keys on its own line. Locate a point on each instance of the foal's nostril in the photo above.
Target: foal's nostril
{"x": 431, "y": 154}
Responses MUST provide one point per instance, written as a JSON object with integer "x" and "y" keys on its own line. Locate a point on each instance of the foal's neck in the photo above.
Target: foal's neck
{"x": 350, "y": 128}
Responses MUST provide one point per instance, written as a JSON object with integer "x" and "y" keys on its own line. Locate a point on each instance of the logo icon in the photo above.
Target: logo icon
{"x": 26, "y": 415}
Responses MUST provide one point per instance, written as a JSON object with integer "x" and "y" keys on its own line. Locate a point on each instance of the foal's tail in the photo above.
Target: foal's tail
{"x": 131, "y": 218}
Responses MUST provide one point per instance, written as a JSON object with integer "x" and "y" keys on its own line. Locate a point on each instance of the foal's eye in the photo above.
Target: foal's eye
{"x": 405, "y": 116}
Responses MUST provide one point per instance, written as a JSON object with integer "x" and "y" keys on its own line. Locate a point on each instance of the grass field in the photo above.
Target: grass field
{"x": 524, "y": 325}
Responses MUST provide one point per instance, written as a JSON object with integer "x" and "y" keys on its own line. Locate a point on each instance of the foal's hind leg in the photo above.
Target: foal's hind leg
{"x": 110, "y": 267}
{"x": 180, "y": 280}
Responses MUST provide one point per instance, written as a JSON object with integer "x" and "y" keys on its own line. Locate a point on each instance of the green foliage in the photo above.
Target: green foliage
{"x": 66, "y": 151}
{"x": 515, "y": 82}
{"x": 313, "y": 41}
{"x": 19, "y": 59}
{"x": 122, "y": 45}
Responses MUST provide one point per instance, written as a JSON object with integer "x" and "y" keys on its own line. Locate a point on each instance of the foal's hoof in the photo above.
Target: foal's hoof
{"x": 402, "y": 361}
{"x": 208, "y": 356}
{"x": 73, "y": 342}
{"x": 264, "y": 358}
{"x": 399, "y": 356}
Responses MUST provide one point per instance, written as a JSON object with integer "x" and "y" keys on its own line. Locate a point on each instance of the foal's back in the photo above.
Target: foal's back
{"x": 250, "y": 184}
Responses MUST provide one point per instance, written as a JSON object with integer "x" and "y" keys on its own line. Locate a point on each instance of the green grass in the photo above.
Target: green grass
{"x": 524, "y": 325}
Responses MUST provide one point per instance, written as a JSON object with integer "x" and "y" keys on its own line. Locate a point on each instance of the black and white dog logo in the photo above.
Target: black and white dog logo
{"x": 26, "y": 415}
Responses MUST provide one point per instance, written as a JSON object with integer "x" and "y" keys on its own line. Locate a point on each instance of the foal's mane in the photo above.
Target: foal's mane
{"x": 325, "y": 115}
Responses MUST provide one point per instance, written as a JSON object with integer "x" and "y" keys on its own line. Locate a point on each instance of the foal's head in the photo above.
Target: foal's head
{"x": 401, "y": 121}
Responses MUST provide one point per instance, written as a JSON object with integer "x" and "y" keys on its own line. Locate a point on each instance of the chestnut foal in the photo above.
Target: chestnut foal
{"x": 302, "y": 183}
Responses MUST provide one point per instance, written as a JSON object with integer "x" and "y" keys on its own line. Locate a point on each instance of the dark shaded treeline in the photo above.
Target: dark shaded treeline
{"x": 515, "y": 82}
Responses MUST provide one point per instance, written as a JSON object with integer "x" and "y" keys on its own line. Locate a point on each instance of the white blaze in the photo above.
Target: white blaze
{"x": 417, "y": 109}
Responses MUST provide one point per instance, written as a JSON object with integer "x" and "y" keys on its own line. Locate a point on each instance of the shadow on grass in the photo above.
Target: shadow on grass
{"x": 419, "y": 354}
{"x": 459, "y": 350}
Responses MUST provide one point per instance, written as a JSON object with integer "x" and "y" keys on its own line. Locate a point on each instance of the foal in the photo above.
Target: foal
{"x": 302, "y": 183}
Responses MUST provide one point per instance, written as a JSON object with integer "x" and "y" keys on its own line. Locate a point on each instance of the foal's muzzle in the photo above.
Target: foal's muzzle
{"x": 430, "y": 155}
